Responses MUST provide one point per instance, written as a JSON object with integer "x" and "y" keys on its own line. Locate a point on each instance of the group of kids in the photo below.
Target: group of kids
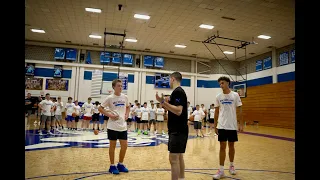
{"x": 140, "y": 119}
{"x": 199, "y": 117}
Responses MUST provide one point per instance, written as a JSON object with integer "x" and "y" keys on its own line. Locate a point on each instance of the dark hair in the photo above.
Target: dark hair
{"x": 48, "y": 94}
{"x": 115, "y": 81}
{"x": 224, "y": 78}
{"x": 96, "y": 103}
{"x": 212, "y": 104}
{"x": 138, "y": 104}
{"x": 89, "y": 98}
{"x": 197, "y": 105}
{"x": 177, "y": 76}
{"x": 135, "y": 101}
{"x": 188, "y": 102}
{"x": 202, "y": 104}
{"x": 145, "y": 103}
{"x": 69, "y": 98}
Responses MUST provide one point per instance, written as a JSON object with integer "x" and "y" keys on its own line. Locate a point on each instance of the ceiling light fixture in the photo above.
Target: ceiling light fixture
{"x": 140, "y": 16}
{"x": 227, "y": 52}
{"x": 205, "y": 26}
{"x": 131, "y": 40}
{"x": 94, "y": 10}
{"x": 264, "y": 37}
{"x": 180, "y": 46}
{"x": 94, "y": 36}
{"x": 38, "y": 30}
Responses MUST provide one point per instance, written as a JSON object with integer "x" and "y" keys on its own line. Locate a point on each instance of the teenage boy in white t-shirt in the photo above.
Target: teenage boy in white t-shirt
{"x": 145, "y": 118}
{"x": 138, "y": 114}
{"x": 69, "y": 110}
{"x": 117, "y": 126}
{"x": 47, "y": 109}
{"x": 160, "y": 119}
{"x": 226, "y": 118}
{"x": 198, "y": 117}
{"x": 88, "y": 110}
{"x": 58, "y": 112}
{"x": 211, "y": 118}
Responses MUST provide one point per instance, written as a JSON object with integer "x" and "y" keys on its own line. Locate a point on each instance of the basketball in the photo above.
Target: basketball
{"x": 96, "y": 132}
{"x": 74, "y": 114}
{"x": 191, "y": 118}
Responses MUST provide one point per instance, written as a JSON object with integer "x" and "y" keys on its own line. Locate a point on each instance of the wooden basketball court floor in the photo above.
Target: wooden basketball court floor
{"x": 261, "y": 153}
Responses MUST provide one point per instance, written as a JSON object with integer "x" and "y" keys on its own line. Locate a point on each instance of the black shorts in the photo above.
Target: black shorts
{"x": 95, "y": 117}
{"x": 211, "y": 120}
{"x": 138, "y": 120}
{"x": 177, "y": 142}
{"x": 227, "y": 135}
{"x": 152, "y": 121}
{"x": 129, "y": 120}
{"x": 144, "y": 121}
{"x": 106, "y": 118}
{"x": 76, "y": 118}
{"x": 115, "y": 135}
{"x": 197, "y": 124}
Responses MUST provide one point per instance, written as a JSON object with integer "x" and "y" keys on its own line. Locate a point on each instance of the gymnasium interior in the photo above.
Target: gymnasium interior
{"x": 75, "y": 48}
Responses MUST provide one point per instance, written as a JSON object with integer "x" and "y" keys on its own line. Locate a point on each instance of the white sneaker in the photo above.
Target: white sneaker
{"x": 218, "y": 175}
{"x": 40, "y": 133}
{"x": 35, "y": 122}
{"x": 50, "y": 133}
{"x": 232, "y": 171}
{"x": 155, "y": 132}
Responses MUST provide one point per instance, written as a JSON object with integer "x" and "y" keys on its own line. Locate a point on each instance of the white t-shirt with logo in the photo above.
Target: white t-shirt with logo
{"x": 77, "y": 110}
{"x": 46, "y": 105}
{"x": 152, "y": 112}
{"x": 212, "y": 113}
{"x": 130, "y": 113}
{"x": 59, "y": 107}
{"x": 138, "y": 112}
{"x": 70, "y": 108}
{"x": 96, "y": 109}
{"x": 87, "y": 109}
{"x": 189, "y": 111}
{"x": 145, "y": 113}
{"x": 118, "y": 104}
{"x": 198, "y": 114}
{"x": 227, "y": 104}
{"x": 160, "y": 113}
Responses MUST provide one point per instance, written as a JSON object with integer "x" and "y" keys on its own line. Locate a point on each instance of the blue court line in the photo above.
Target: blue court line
{"x": 187, "y": 170}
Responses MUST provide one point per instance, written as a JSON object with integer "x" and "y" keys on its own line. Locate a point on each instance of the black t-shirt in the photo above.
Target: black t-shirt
{"x": 178, "y": 124}
{"x": 29, "y": 106}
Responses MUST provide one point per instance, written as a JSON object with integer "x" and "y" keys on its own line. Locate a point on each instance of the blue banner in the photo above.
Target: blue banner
{"x": 159, "y": 62}
{"x": 59, "y": 53}
{"x": 104, "y": 57}
{"x": 127, "y": 59}
{"x": 267, "y": 63}
{"x": 259, "y": 65}
{"x": 284, "y": 58}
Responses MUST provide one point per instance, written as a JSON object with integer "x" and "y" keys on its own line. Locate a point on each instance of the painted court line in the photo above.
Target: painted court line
{"x": 270, "y": 136}
{"x": 148, "y": 170}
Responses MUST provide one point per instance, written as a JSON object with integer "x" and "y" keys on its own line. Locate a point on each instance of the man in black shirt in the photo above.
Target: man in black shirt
{"x": 29, "y": 102}
{"x": 177, "y": 125}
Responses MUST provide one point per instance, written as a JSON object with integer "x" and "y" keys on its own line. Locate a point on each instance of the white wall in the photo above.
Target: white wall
{"x": 270, "y": 72}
